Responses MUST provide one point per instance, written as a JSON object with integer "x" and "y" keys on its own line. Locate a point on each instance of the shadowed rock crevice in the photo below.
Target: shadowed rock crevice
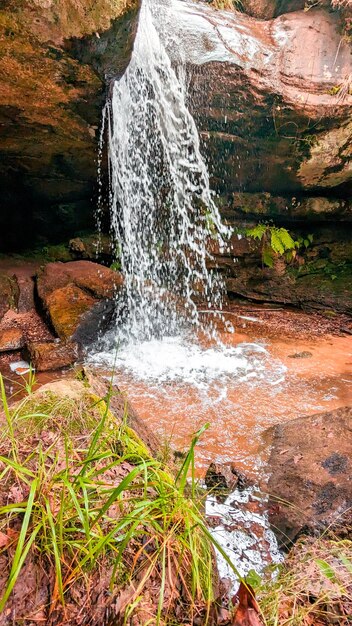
{"x": 50, "y": 111}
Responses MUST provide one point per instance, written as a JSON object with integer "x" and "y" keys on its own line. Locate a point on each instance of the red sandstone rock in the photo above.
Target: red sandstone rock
{"x": 66, "y": 307}
{"x": 11, "y": 339}
{"x": 52, "y": 356}
{"x": 270, "y": 97}
{"x": 77, "y": 297}
{"x": 95, "y": 279}
{"x": 311, "y": 466}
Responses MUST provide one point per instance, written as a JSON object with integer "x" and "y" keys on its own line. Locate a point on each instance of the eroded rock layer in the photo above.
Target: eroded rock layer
{"x": 51, "y": 97}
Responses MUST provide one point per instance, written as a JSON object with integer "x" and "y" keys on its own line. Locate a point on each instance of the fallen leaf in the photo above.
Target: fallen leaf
{"x": 15, "y": 494}
{"x": 4, "y": 540}
{"x": 247, "y": 613}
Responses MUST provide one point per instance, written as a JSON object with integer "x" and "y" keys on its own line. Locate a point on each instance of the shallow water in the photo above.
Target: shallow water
{"x": 241, "y": 388}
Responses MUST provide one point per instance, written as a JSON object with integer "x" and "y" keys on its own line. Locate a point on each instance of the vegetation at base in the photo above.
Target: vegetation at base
{"x": 313, "y": 587}
{"x": 105, "y": 526}
{"x": 83, "y": 504}
{"x": 276, "y": 241}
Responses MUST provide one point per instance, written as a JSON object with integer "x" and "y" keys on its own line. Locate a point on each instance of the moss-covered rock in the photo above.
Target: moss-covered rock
{"x": 77, "y": 297}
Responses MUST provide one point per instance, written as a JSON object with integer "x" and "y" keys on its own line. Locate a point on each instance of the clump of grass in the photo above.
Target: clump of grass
{"x": 313, "y": 587}
{"x": 103, "y": 524}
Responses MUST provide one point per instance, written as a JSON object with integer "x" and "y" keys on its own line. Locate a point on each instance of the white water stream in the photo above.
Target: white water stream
{"x": 162, "y": 217}
{"x": 162, "y": 210}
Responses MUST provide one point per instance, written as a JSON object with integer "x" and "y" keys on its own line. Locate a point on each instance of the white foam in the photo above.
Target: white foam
{"x": 246, "y": 537}
{"x": 175, "y": 359}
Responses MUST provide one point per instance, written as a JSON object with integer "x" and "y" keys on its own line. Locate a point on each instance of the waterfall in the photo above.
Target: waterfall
{"x": 162, "y": 208}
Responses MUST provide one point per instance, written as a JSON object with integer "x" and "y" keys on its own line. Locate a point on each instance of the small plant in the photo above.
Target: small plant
{"x": 276, "y": 242}
{"x": 115, "y": 266}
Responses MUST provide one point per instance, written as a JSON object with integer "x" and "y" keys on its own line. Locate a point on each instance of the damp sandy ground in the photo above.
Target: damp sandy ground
{"x": 306, "y": 368}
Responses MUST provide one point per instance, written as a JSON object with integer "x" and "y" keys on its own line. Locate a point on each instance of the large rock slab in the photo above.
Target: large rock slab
{"x": 269, "y": 97}
{"x": 78, "y": 297}
{"x": 11, "y": 339}
{"x": 55, "y": 56}
{"x": 265, "y": 206}
{"x": 47, "y": 356}
{"x": 310, "y": 482}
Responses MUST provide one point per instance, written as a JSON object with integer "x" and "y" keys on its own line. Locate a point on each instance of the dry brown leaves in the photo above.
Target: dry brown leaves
{"x": 247, "y": 613}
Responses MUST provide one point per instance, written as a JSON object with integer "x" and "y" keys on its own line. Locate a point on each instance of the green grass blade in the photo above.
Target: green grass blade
{"x": 117, "y": 492}
{"x": 21, "y": 549}
{"x": 19, "y": 468}
{"x": 181, "y": 477}
{"x": 57, "y": 556}
{"x": 162, "y": 585}
{"x": 346, "y": 562}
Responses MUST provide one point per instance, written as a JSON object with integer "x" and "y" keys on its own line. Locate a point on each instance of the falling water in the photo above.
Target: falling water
{"x": 162, "y": 217}
{"x": 162, "y": 210}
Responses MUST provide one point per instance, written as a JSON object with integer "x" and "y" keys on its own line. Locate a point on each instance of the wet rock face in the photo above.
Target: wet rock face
{"x": 267, "y": 9}
{"x": 310, "y": 475}
{"x": 318, "y": 277}
{"x": 269, "y": 98}
{"x": 52, "y": 355}
{"x": 50, "y": 110}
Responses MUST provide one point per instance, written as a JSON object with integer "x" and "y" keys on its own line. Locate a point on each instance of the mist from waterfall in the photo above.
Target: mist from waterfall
{"x": 162, "y": 209}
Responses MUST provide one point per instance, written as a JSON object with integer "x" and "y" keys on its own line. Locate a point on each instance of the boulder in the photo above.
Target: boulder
{"x": 91, "y": 247}
{"x": 78, "y": 297}
{"x": 310, "y": 483}
{"x": 95, "y": 279}
{"x": 52, "y": 356}
{"x": 223, "y": 478}
{"x": 11, "y": 339}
